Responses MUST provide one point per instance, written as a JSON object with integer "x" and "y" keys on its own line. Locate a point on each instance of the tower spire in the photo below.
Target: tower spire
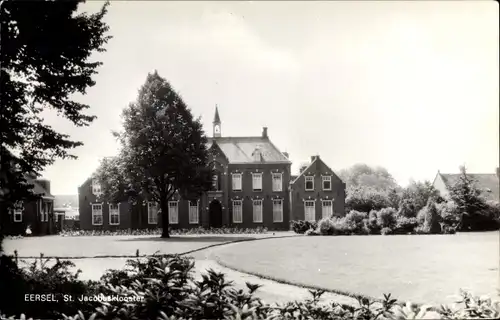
{"x": 216, "y": 117}
{"x": 216, "y": 124}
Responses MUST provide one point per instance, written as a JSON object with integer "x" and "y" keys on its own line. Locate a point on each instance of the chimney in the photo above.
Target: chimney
{"x": 264, "y": 132}
{"x": 44, "y": 183}
{"x": 286, "y": 155}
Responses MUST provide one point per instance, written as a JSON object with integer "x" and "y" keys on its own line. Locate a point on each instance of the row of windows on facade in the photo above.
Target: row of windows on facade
{"x": 18, "y": 212}
{"x": 173, "y": 212}
{"x": 277, "y": 186}
{"x": 237, "y": 183}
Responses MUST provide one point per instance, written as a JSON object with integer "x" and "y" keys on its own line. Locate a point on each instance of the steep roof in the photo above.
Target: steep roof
{"x": 216, "y": 117}
{"x": 306, "y": 169}
{"x": 241, "y": 149}
{"x": 488, "y": 183}
{"x": 40, "y": 190}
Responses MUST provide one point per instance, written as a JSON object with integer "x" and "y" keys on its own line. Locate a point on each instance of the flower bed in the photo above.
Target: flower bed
{"x": 143, "y": 232}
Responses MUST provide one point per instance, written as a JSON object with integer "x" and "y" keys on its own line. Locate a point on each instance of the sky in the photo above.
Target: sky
{"x": 410, "y": 86}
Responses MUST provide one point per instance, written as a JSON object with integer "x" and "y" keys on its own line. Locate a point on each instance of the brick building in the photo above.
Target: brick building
{"x": 317, "y": 192}
{"x": 250, "y": 189}
{"x": 37, "y": 214}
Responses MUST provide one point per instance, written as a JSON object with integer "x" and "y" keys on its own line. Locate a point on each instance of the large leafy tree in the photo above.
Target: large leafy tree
{"x": 415, "y": 197}
{"x": 362, "y": 175}
{"x": 45, "y": 59}
{"x": 164, "y": 149}
{"x": 369, "y": 188}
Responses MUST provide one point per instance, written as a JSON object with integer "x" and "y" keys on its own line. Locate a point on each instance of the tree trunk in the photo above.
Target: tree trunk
{"x": 164, "y": 218}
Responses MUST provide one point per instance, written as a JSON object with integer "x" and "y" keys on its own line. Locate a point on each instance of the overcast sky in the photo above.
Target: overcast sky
{"x": 411, "y": 86}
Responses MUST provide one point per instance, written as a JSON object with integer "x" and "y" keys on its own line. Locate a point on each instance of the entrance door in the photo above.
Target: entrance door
{"x": 215, "y": 214}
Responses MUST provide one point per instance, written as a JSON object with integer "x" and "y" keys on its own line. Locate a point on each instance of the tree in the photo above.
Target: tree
{"x": 470, "y": 204}
{"x": 164, "y": 149}
{"x": 366, "y": 199}
{"x": 429, "y": 219}
{"x": 362, "y": 175}
{"x": 45, "y": 55}
{"x": 415, "y": 197}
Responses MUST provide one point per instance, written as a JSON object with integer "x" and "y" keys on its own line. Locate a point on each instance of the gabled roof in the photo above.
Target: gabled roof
{"x": 40, "y": 190}
{"x": 306, "y": 169}
{"x": 240, "y": 149}
{"x": 488, "y": 183}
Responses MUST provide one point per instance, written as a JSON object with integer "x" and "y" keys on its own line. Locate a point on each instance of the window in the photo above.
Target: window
{"x": 237, "y": 211}
{"x": 97, "y": 214}
{"x": 114, "y": 214}
{"x": 193, "y": 211}
{"x": 18, "y": 214}
{"x": 327, "y": 183}
{"x": 215, "y": 182}
{"x": 44, "y": 211}
{"x": 173, "y": 212}
{"x": 96, "y": 187}
{"x": 277, "y": 182}
{"x": 326, "y": 208}
{"x": 278, "y": 210}
{"x": 309, "y": 210}
{"x": 257, "y": 211}
{"x": 257, "y": 181}
{"x": 237, "y": 181}
{"x": 309, "y": 183}
{"x": 152, "y": 213}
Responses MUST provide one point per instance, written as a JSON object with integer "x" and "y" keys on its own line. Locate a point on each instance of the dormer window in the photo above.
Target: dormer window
{"x": 257, "y": 154}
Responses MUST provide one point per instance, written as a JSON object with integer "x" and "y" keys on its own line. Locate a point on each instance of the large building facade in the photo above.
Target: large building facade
{"x": 251, "y": 189}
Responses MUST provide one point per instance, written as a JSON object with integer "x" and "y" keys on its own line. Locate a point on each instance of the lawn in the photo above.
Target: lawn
{"x": 422, "y": 269}
{"x": 90, "y": 246}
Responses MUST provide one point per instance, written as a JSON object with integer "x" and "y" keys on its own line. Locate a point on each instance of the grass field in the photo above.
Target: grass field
{"x": 422, "y": 269}
{"x": 89, "y": 246}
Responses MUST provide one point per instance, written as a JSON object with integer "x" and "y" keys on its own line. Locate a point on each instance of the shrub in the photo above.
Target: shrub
{"x": 354, "y": 220}
{"x": 312, "y": 232}
{"x": 370, "y": 223}
{"x": 365, "y": 199}
{"x": 405, "y": 225}
{"x": 39, "y": 278}
{"x": 432, "y": 219}
{"x": 301, "y": 226}
{"x": 386, "y": 218}
{"x": 164, "y": 289}
{"x": 326, "y": 227}
{"x": 342, "y": 226}
{"x": 386, "y": 231}
{"x": 142, "y": 232}
{"x": 450, "y": 216}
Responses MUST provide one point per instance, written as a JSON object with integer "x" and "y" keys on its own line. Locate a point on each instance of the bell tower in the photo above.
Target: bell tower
{"x": 216, "y": 124}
